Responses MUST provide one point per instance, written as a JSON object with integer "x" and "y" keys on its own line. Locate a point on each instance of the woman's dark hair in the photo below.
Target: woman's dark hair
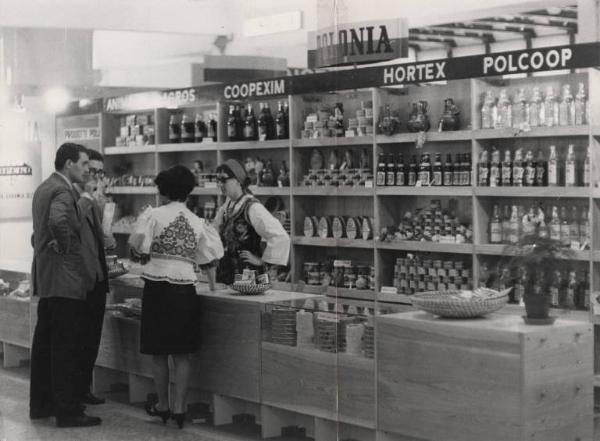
{"x": 176, "y": 183}
{"x": 67, "y": 151}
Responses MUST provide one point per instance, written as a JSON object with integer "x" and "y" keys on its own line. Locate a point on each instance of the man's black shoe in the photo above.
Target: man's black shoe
{"x": 82, "y": 420}
{"x": 90, "y": 398}
{"x": 39, "y": 414}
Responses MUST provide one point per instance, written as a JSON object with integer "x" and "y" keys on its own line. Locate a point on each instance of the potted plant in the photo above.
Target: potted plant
{"x": 541, "y": 258}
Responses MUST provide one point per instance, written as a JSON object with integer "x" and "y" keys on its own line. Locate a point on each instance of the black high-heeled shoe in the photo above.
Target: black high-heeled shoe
{"x": 153, "y": 411}
{"x": 179, "y": 418}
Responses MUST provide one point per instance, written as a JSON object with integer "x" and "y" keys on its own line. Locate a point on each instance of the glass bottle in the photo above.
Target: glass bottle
{"x": 457, "y": 173}
{"x": 536, "y": 109}
{"x": 467, "y": 169}
{"x": 552, "y": 167}
{"x": 380, "y": 176}
{"x": 514, "y": 226}
{"x": 570, "y": 176}
{"x": 390, "y": 172}
{"x": 496, "y": 226}
{"x": 584, "y": 289}
{"x": 529, "y": 222}
{"x": 585, "y": 231}
{"x": 281, "y": 127}
{"x": 541, "y": 170}
{"x": 495, "y": 170}
{"x": 555, "y": 224}
{"x": 212, "y": 127}
{"x": 400, "y": 171}
{"x": 587, "y": 169}
{"x": 262, "y": 123}
{"x": 339, "y": 120}
{"x": 187, "y": 129}
{"x": 488, "y": 111}
{"x": 541, "y": 224}
{"x": 574, "y": 233}
{"x": 555, "y": 288}
{"x": 412, "y": 171}
{"x": 566, "y": 108}
{"x": 270, "y": 122}
{"x": 581, "y": 116}
{"x": 174, "y": 130}
{"x": 437, "y": 170}
{"x": 565, "y": 229}
{"x": 250, "y": 132}
{"x": 550, "y": 108}
{"x": 425, "y": 169}
{"x": 520, "y": 110}
{"x": 506, "y": 224}
{"x": 448, "y": 170}
{"x": 529, "y": 170}
{"x": 518, "y": 169}
{"x": 483, "y": 169}
{"x": 504, "y": 112}
{"x": 507, "y": 169}
{"x": 231, "y": 124}
{"x": 199, "y": 128}
{"x": 239, "y": 123}
{"x": 570, "y": 293}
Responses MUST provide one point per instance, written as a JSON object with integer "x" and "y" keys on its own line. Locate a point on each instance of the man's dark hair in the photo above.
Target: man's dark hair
{"x": 95, "y": 155}
{"x": 67, "y": 151}
{"x": 176, "y": 183}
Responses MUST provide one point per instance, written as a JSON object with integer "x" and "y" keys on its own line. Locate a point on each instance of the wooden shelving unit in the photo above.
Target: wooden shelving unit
{"x": 425, "y": 191}
{"x": 332, "y": 191}
{"x": 204, "y": 146}
{"x": 134, "y": 150}
{"x": 331, "y": 242}
{"x": 533, "y": 192}
{"x": 426, "y": 247}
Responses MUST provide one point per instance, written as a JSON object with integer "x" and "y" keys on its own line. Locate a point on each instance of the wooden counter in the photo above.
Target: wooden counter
{"x": 492, "y": 379}
{"x": 14, "y": 322}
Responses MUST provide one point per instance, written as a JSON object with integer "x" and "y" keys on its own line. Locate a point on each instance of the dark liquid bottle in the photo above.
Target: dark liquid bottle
{"x": 467, "y": 171}
{"x": 425, "y": 170}
{"x": 212, "y": 128}
{"x": 199, "y": 128}
{"x": 412, "y": 171}
{"x": 250, "y": 133}
{"x": 239, "y": 124}
{"x": 281, "y": 127}
{"x": 447, "y": 171}
{"x": 262, "y": 124}
{"x": 506, "y": 170}
{"x": 437, "y": 170}
{"x": 187, "y": 129}
{"x": 541, "y": 170}
{"x": 390, "y": 173}
{"x": 380, "y": 177}
{"x": 232, "y": 124}
{"x": 174, "y": 130}
{"x": 457, "y": 175}
{"x": 400, "y": 171}
{"x": 270, "y": 122}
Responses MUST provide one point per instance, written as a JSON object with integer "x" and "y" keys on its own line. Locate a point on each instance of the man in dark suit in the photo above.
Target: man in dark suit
{"x": 57, "y": 278}
{"x": 95, "y": 272}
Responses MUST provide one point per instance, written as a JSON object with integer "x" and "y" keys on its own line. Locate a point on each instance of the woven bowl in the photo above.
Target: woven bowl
{"x": 449, "y": 304}
{"x": 250, "y": 289}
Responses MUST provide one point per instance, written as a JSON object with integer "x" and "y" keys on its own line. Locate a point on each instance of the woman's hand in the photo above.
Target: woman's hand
{"x": 250, "y": 258}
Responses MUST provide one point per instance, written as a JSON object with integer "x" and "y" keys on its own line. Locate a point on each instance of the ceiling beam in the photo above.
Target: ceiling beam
{"x": 522, "y": 21}
{"x": 434, "y": 31}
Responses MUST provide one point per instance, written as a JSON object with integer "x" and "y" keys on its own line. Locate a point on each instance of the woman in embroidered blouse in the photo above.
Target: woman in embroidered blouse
{"x": 174, "y": 242}
{"x": 244, "y": 224}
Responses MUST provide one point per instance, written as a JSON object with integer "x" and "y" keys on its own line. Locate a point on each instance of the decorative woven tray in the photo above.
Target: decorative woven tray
{"x": 461, "y": 304}
{"x": 250, "y": 289}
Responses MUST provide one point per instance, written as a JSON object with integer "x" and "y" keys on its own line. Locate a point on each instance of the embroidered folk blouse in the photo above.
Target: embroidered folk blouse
{"x": 270, "y": 230}
{"x": 177, "y": 241}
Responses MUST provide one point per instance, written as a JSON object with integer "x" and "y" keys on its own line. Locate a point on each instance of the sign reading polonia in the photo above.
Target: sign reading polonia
{"x": 358, "y": 43}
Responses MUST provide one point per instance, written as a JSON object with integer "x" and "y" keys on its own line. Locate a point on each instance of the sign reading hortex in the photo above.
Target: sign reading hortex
{"x": 358, "y": 43}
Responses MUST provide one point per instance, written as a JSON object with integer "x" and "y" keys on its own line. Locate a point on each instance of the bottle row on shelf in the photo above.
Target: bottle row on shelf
{"x": 418, "y": 120}
{"x": 328, "y": 122}
{"x": 396, "y": 172}
{"x": 338, "y": 227}
{"x": 182, "y": 129}
{"x": 261, "y": 172}
{"x": 431, "y": 224}
{"x": 527, "y": 171}
{"x": 572, "y": 229}
{"x": 569, "y": 288}
{"x": 340, "y": 274}
{"x": 538, "y": 111}
{"x": 416, "y": 273}
{"x": 250, "y": 128}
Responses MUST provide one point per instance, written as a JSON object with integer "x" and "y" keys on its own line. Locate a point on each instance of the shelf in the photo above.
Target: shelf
{"x": 346, "y": 293}
{"x": 333, "y": 141}
{"x": 537, "y": 132}
{"x": 199, "y": 191}
{"x": 107, "y": 151}
{"x": 424, "y": 191}
{"x": 332, "y": 243}
{"x": 534, "y": 192}
{"x": 332, "y": 191}
{"x": 204, "y": 146}
{"x": 270, "y": 191}
{"x": 255, "y": 145}
{"x": 426, "y": 247}
{"x": 500, "y": 250}
{"x": 132, "y": 190}
{"x": 401, "y": 138}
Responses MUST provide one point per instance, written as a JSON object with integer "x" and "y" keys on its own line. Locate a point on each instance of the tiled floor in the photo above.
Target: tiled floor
{"x": 121, "y": 422}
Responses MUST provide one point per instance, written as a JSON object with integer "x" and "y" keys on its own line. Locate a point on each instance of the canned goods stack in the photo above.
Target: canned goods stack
{"x": 418, "y": 275}
{"x": 283, "y": 326}
{"x": 368, "y": 341}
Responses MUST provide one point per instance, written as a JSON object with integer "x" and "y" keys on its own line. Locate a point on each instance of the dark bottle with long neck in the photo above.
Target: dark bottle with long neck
{"x": 447, "y": 170}
{"x": 281, "y": 127}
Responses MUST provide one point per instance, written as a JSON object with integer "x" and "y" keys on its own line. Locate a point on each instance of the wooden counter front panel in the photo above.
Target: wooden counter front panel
{"x": 440, "y": 388}
{"x": 14, "y": 322}
{"x": 228, "y": 361}
{"x": 356, "y": 390}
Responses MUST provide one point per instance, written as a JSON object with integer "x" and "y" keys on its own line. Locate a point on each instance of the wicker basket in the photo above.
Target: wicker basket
{"x": 446, "y": 303}
{"x": 250, "y": 289}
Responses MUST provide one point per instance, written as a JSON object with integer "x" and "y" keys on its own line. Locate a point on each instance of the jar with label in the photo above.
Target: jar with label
{"x": 311, "y": 273}
{"x": 349, "y": 277}
{"x": 337, "y": 278}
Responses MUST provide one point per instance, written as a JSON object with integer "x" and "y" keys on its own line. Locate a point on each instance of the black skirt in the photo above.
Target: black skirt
{"x": 170, "y": 319}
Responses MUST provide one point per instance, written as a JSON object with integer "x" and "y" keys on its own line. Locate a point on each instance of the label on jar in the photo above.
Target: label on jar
{"x": 367, "y": 228}
{"x": 338, "y": 226}
{"x": 324, "y": 227}
{"x": 352, "y": 227}
{"x": 309, "y": 227}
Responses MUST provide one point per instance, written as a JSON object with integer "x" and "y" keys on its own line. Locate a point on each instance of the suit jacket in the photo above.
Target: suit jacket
{"x": 92, "y": 241}
{"x": 56, "y": 220}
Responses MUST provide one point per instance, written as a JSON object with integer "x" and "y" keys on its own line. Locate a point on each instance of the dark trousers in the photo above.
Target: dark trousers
{"x": 55, "y": 355}
{"x": 95, "y": 305}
